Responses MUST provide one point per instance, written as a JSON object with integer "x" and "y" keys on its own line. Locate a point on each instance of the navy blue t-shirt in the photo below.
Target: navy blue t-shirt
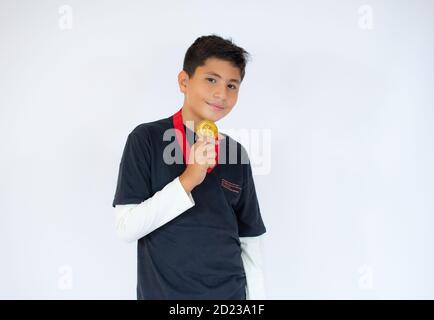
{"x": 197, "y": 255}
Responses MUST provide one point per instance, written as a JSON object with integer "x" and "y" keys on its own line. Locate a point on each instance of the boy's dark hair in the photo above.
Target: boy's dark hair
{"x": 214, "y": 46}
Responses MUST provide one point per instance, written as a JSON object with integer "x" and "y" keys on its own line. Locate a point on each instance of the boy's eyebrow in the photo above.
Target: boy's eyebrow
{"x": 219, "y": 76}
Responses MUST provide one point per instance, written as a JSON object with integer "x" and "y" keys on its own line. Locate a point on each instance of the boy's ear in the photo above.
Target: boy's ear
{"x": 183, "y": 81}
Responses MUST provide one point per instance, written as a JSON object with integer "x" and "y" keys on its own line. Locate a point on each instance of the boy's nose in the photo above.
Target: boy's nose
{"x": 220, "y": 93}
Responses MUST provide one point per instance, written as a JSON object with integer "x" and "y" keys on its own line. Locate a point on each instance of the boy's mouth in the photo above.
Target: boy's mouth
{"x": 215, "y": 106}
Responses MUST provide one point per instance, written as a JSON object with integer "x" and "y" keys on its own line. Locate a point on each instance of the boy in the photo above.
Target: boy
{"x": 197, "y": 221}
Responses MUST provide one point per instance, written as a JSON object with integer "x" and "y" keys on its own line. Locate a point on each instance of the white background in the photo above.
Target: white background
{"x": 348, "y": 98}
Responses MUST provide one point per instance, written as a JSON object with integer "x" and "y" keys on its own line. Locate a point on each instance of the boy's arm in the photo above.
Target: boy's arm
{"x": 251, "y": 254}
{"x": 134, "y": 221}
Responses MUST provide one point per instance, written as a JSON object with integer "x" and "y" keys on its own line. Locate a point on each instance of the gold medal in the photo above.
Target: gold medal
{"x": 207, "y": 128}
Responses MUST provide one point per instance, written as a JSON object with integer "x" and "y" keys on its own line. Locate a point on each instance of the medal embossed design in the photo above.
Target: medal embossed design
{"x": 207, "y": 128}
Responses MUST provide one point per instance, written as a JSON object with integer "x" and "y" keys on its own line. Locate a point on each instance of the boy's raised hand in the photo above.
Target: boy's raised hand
{"x": 202, "y": 156}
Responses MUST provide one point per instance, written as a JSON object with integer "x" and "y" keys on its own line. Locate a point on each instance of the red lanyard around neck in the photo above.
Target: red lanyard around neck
{"x": 178, "y": 124}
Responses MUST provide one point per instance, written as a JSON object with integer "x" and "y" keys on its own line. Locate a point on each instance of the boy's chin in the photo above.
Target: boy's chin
{"x": 212, "y": 116}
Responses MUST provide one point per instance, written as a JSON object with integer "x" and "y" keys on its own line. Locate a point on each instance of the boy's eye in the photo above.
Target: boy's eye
{"x": 213, "y": 81}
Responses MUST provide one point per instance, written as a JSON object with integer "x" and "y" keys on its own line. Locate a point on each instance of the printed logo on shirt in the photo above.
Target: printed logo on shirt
{"x": 230, "y": 186}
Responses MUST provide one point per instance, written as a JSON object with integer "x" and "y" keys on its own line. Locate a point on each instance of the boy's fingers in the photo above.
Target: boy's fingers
{"x": 209, "y": 146}
{"x": 207, "y": 139}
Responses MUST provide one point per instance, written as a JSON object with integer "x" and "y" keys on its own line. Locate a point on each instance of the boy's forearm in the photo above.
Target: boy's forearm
{"x": 186, "y": 182}
{"x": 134, "y": 221}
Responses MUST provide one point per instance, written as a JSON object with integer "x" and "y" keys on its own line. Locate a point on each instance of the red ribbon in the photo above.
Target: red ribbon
{"x": 182, "y": 139}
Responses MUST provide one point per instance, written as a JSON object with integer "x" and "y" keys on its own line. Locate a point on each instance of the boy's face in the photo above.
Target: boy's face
{"x": 212, "y": 91}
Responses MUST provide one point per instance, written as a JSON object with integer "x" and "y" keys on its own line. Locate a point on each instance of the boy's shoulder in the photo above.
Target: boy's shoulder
{"x": 232, "y": 144}
{"x": 152, "y": 128}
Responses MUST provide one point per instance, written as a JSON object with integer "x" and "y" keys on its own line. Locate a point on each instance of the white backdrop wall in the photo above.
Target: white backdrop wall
{"x": 344, "y": 87}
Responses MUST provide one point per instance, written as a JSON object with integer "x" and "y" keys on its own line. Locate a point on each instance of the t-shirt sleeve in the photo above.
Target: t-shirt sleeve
{"x": 248, "y": 213}
{"x": 134, "y": 178}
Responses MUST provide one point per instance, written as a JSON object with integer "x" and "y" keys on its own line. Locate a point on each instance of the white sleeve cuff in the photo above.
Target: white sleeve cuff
{"x": 251, "y": 254}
